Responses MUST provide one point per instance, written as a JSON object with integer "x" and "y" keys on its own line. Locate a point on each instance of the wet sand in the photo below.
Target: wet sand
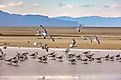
{"x": 54, "y": 70}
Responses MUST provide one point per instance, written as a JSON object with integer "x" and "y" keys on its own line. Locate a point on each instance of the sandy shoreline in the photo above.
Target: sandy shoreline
{"x": 19, "y": 36}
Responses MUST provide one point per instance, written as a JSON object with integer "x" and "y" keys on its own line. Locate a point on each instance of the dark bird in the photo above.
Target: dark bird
{"x": 53, "y": 56}
{"x": 99, "y": 60}
{"x": 60, "y": 58}
{"x": 117, "y": 56}
{"x": 85, "y": 61}
{"x": 111, "y": 58}
{"x": 50, "y": 54}
{"x": 34, "y": 55}
{"x": 43, "y": 59}
{"x": 78, "y": 57}
{"x": 47, "y": 49}
{"x": 9, "y": 60}
{"x": 73, "y": 61}
{"x": 15, "y": 62}
{"x": 86, "y": 53}
{"x": 71, "y": 55}
{"x": 106, "y": 57}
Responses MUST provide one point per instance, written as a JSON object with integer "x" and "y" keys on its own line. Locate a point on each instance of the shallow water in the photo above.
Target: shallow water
{"x": 54, "y": 70}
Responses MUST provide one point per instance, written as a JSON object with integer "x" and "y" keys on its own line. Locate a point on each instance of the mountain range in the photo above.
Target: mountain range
{"x": 8, "y": 19}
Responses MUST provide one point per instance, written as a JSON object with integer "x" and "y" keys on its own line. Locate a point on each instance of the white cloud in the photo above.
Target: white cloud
{"x": 69, "y": 6}
{"x": 116, "y": 6}
{"x": 2, "y": 6}
{"x": 87, "y": 5}
{"x": 13, "y": 4}
{"x": 36, "y": 5}
{"x": 66, "y": 5}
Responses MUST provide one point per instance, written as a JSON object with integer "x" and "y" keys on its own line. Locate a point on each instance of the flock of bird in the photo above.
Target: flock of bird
{"x": 45, "y": 34}
{"x": 66, "y": 56}
{"x": 84, "y": 57}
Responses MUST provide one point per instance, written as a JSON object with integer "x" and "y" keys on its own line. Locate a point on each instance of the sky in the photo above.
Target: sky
{"x": 72, "y": 8}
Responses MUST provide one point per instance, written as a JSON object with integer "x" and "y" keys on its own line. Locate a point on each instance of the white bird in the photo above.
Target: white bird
{"x": 44, "y": 34}
{"x": 38, "y": 32}
{"x": 97, "y": 39}
{"x": 38, "y": 44}
{"x": 73, "y": 44}
{"x": 35, "y": 43}
{"x": 78, "y": 29}
{"x": 83, "y": 38}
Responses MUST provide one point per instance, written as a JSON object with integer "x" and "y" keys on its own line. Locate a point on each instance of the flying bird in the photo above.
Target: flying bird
{"x": 78, "y": 29}
{"x": 44, "y": 34}
{"x": 73, "y": 44}
{"x": 97, "y": 39}
{"x": 38, "y": 32}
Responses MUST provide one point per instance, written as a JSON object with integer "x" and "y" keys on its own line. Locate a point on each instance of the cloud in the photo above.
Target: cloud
{"x": 66, "y": 5}
{"x": 87, "y": 5}
{"x": 36, "y": 5}
{"x": 69, "y": 6}
{"x": 113, "y": 6}
{"x": 61, "y": 4}
{"x": 2, "y": 1}
{"x": 106, "y": 6}
{"x": 13, "y": 4}
{"x": 116, "y": 6}
{"x": 2, "y": 6}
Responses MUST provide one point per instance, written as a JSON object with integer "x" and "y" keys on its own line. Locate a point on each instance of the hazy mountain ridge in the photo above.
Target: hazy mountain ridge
{"x": 7, "y": 19}
{"x": 95, "y": 21}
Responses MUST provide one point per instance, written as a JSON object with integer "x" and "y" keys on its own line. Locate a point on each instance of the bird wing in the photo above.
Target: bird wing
{"x": 81, "y": 26}
{"x": 96, "y": 37}
{"x": 90, "y": 39}
{"x": 44, "y": 29}
{"x": 1, "y": 51}
{"x": 68, "y": 49}
{"x": 52, "y": 38}
{"x": 73, "y": 42}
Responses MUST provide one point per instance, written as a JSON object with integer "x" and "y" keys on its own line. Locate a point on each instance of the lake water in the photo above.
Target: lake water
{"x": 54, "y": 70}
